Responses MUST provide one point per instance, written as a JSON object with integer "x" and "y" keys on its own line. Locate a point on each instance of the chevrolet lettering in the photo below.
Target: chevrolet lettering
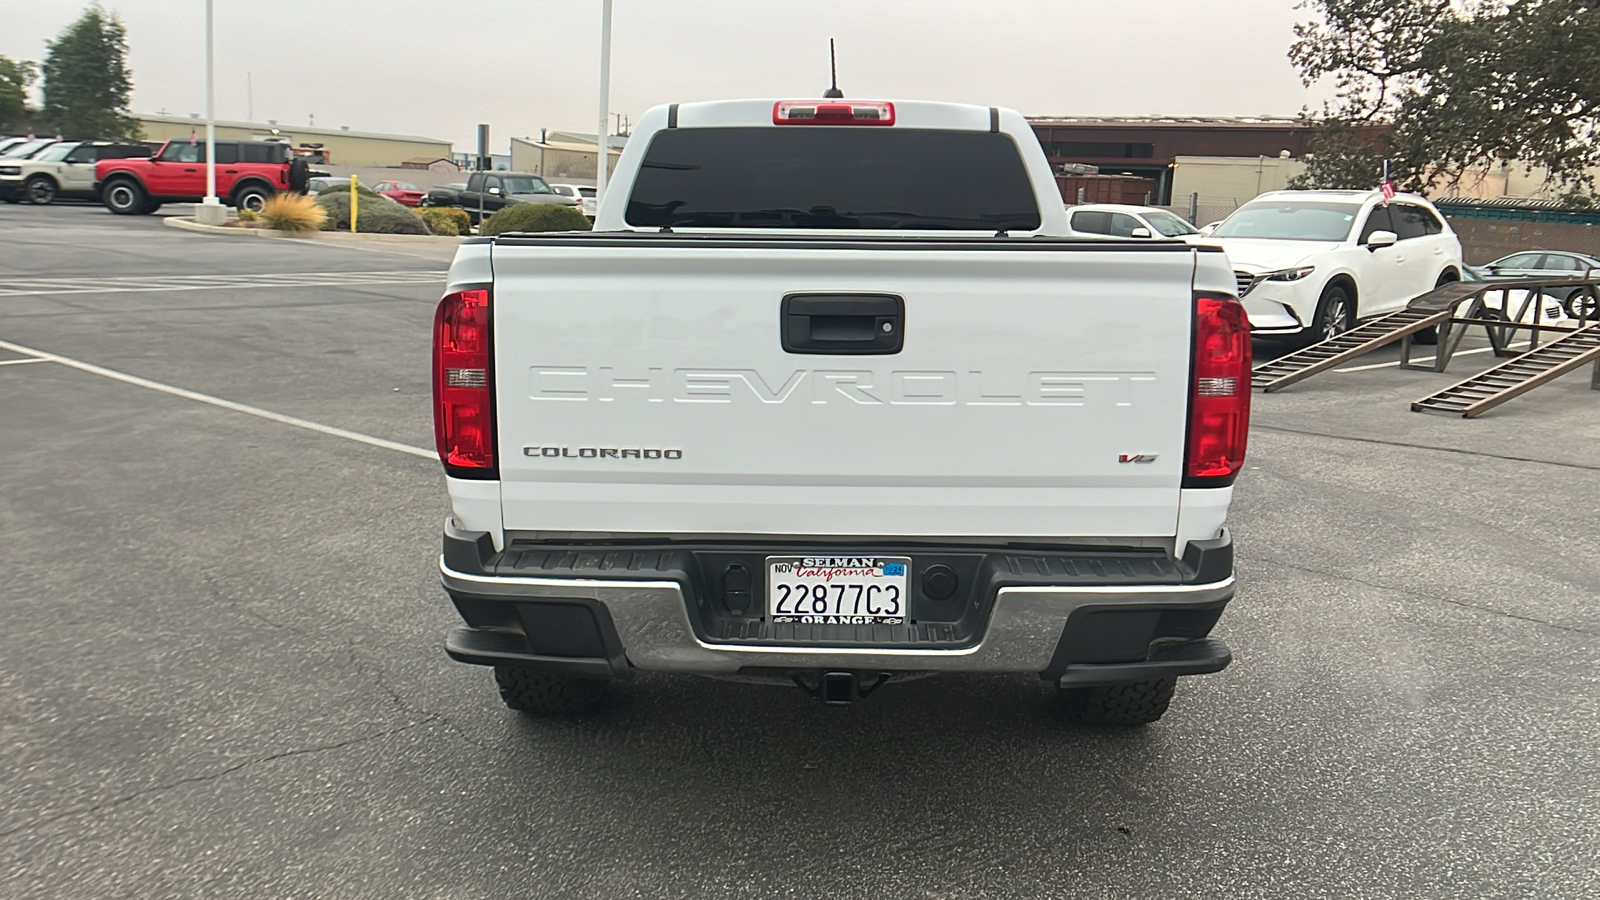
{"x": 602, "y": 452}
{"x": 864, "y": 387}
{"x": 926, "y": 438}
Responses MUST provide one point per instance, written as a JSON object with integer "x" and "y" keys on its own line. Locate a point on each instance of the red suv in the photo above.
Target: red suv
{"x": 248, "y": 172}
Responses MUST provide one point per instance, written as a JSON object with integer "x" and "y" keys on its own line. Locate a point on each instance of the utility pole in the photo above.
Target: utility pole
{"x": 211, "y": 118}
{"x": 602, "y": 157}
{"x": 210, "y": 211}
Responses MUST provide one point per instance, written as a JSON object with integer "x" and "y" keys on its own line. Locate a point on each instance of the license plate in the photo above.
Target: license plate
{"x": 838, "y": 590}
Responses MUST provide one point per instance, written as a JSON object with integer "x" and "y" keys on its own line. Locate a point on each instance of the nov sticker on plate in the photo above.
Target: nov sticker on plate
{"x": 838, "y": 590}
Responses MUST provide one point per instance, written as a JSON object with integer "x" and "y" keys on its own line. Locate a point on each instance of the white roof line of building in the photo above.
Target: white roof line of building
{"x": 1167, "y": 120}
{"x": 291, "y": 130}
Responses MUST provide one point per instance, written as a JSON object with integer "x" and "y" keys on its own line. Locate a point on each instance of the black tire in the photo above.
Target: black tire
{"x": 1139, "y": 703}
{"x": 1336, "y": 314}
{"x": 125, "y": 197}
{"x": 149, "y": 207}
{"x": 251, "y": 196}
{"x": 1431, "y": 336}
{"x": 543, "y": 694}
{"x": 40, "y": 190}
{"x": 1577, "y": 301}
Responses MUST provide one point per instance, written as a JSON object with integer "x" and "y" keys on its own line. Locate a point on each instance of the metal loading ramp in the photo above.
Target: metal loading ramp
{"x": 1380, "y": 332}
{"x": 1518, "y": 375}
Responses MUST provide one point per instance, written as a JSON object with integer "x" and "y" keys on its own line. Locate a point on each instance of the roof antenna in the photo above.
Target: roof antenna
{"x": 833, "y": 93}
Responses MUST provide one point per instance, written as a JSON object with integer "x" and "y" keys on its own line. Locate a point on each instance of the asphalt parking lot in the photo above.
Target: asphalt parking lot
{"x": 221, "y": 671}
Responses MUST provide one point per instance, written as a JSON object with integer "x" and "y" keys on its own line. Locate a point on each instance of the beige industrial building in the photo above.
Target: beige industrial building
{"x": 1231, "y": 179}
{"x": 563, "y": 156}
{"x": 344, "y": 147}
{"x": 1235, "y": 180}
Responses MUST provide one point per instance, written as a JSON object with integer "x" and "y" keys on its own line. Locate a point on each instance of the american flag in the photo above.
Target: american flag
{"x": 1388, "y": 191}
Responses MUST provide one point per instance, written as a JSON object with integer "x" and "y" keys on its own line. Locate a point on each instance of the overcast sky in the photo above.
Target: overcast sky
{"x": 437, "y": 68}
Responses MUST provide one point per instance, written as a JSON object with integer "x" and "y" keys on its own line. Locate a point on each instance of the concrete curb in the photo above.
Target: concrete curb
{"x": 189, "y": 224}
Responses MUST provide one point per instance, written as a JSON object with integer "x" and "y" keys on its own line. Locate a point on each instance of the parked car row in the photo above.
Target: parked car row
{"x": 129, "y": 179}
{"x": 1310, "y": 265}
{"x": 41, "y": 172}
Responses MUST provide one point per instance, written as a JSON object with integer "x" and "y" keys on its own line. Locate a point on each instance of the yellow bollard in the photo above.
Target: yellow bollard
{"x": 354, "y": 197}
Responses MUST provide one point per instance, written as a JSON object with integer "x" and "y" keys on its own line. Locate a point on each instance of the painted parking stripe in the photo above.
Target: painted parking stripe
{"x": 155, "y": 283}
{"x": 269, "y": 415}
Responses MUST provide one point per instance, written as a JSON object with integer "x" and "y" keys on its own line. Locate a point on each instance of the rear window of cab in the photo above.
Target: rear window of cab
{"x": 833, "y": 177}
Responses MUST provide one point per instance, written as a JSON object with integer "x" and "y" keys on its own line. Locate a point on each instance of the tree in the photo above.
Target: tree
{"x": 1443, "y": 88}
{"x": 16, "y": 76}
{"x": 86, "y": 79}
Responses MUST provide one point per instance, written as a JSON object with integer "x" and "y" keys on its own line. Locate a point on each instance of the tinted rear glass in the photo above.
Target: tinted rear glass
{"x": 261, "y": 153}
{"x": 833, "y": 177}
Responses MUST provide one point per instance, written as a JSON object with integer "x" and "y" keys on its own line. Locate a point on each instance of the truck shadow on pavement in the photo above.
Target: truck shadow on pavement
{"x": 942, "y": 768}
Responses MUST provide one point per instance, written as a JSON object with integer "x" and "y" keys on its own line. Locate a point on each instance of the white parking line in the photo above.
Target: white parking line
{"x": 21, "y": 362}
{"x": 167, "y": 283}
{"x": 42, "y": 356}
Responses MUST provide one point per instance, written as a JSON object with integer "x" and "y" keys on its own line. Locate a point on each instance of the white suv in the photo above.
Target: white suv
{"x": 1312, "y": 263}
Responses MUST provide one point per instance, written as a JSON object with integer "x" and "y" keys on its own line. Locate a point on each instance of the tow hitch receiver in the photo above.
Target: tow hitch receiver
{"x": 840, "y": 688}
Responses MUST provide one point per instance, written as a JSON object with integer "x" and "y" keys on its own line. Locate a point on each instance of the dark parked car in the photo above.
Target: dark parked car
{"x": 492, "y": 191}
{"x": 1551, "y": 264}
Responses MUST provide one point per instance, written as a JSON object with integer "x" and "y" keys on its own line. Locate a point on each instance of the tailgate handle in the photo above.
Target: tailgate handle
{"x": 843, "y": 324}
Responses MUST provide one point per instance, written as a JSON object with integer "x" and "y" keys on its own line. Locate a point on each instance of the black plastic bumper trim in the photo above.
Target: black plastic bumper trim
{"x": 1200, "y": 657}
{"x": 500, "y": 648}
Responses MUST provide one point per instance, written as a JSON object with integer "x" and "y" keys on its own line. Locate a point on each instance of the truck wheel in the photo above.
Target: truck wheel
{"x": 543, "y": 694}
{"x": 41, "y": 190}
{"x": 125, "y": 197}
{"x": 251, "y": 197}
{"x": 1139, "y": 703}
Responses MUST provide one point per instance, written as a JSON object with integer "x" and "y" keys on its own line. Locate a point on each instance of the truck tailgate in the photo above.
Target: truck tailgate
{"x": 1040, "y": 389}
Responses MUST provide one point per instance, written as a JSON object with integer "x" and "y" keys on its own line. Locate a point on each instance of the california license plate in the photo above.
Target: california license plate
{"x": 838, "y": 590}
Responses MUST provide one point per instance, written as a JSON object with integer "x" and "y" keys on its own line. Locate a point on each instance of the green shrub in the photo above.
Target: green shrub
{"x": 536, "y": 217}
{"x": 445, "y": 220}
{"x": 375, "y": 215}
{"x": 343, "y": 187}
{"x": 247, "y": 215}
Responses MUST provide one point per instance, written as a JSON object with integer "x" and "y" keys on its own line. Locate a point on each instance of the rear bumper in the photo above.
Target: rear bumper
{"x": 610, "y": 625}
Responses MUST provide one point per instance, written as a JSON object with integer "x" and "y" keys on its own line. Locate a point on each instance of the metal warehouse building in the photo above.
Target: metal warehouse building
{"x": 1149, "y": 146}
{"x": 344, "y": 147}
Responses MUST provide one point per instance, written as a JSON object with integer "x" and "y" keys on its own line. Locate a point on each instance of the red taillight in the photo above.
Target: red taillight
{"x": 1219, "y": 398}
{"x": 463, "y": 403}
{"x": 832, "y": 112}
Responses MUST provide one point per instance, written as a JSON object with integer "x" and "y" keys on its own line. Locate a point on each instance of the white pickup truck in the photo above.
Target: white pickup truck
{"x": 828, "y": 397}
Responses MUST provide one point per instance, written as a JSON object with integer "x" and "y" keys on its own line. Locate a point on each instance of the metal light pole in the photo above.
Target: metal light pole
{"x": 211, "y": 118}
{"x": 602, "y": 157}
